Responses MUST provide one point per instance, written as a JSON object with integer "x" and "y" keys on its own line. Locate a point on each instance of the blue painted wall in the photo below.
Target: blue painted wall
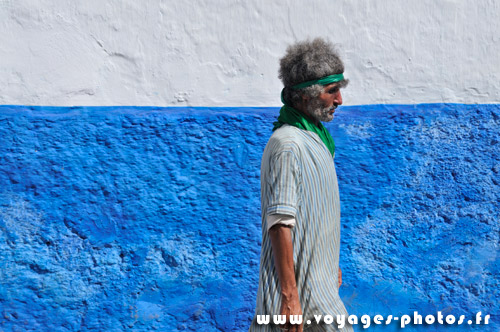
{"x": 145, "y": 219}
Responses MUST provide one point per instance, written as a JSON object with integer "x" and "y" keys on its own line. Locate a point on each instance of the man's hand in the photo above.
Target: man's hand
{"x": 290, "y": 305}
{"x": 281, "y": 242}
{"x": 340, "y": 277}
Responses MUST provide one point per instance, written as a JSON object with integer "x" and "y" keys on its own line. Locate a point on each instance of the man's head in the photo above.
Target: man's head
{"x": 307, "y": 61}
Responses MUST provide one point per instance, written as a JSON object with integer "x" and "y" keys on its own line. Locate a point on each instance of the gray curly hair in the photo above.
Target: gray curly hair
{"x": 306, "y": 61}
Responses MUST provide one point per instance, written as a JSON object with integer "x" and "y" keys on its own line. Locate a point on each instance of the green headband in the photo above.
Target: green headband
{"x": 322, "y": 81}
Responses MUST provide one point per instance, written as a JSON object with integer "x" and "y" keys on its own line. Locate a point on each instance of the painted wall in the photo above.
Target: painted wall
{"x": 148, "y": 218}
{"x": 143, "y": 219}
{"x": 225, "y": 53}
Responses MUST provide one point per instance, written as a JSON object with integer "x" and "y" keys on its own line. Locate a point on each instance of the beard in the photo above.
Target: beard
{"x": 317, "y": 110}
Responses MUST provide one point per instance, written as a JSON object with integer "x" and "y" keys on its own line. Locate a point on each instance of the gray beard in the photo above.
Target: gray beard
{"x": 318, "y": 112}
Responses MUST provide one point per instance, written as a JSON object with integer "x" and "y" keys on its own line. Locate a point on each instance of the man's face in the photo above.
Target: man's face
{"x": 323, "y": 107}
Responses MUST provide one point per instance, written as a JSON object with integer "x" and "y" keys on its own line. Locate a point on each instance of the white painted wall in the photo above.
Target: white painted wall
{"x": 225, "y": 52}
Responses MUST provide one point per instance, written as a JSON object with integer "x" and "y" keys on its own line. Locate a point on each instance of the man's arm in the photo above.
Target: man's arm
{"x": 281, "y": 242}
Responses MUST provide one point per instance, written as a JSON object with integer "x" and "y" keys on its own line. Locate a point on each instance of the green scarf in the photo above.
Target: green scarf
{"x": 293, "y": 117}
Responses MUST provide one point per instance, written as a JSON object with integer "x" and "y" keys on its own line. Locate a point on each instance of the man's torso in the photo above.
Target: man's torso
{"x": 298, "y": 178}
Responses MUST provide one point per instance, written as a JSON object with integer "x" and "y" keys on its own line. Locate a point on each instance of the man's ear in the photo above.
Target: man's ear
{"x": 304, "y": 101}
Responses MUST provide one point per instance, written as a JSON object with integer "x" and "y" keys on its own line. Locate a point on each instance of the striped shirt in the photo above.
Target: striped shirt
{"x": 298, "y": 178}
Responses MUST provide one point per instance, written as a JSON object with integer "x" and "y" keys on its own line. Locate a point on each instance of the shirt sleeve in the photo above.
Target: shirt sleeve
{"x": 283, "y": 184}
{"x": 279, "y": 219}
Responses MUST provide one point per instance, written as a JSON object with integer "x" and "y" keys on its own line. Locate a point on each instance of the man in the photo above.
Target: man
{"x": 299, "y": 266}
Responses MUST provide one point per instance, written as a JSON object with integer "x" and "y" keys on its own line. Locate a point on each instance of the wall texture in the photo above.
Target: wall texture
{"x": 143, "y": 219}
{"x": 225, "y": 52}
{"x": 147, "y": 218}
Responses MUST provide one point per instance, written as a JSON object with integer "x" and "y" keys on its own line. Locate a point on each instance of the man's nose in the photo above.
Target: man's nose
{"x": 338, "y": 98}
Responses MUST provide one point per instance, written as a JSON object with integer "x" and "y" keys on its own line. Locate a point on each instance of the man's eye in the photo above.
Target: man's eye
{"x": 334, "y": 90}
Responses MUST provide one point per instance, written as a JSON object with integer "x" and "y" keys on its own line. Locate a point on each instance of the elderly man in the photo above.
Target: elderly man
{"x": 299, "y": 266}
